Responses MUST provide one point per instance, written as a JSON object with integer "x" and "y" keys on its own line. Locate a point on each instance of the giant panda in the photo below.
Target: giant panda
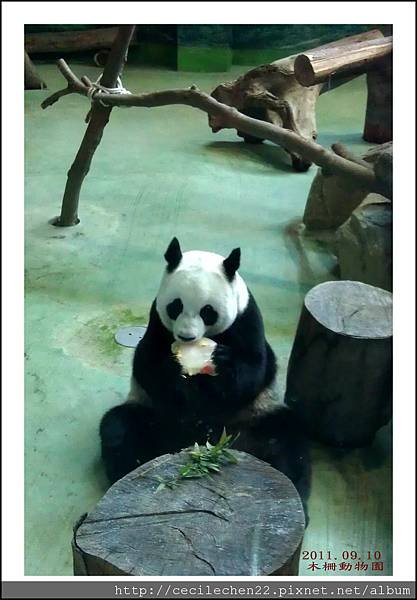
{"x": 202, "y": 295}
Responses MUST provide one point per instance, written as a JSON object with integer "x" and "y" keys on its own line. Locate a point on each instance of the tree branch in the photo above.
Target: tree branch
{"x": 72, "y": 79}
{"x": 97, "y": 118}
{"x": 75, "y": 85}
{"x": 56, "y": 96}
{"x": 233, "y": 119}
{"x": 342, "y": 151}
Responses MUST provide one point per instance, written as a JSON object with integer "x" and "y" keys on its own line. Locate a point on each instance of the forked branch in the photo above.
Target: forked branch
{"x": 343, "y": 166}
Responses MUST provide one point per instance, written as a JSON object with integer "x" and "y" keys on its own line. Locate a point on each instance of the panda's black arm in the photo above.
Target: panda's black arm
{"x": 154, "y": 367}
{"x": 239, "y": 379}
{"x": 245, "y": 362}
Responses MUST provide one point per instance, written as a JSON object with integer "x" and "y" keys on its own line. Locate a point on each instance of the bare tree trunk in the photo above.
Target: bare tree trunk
{"x": 99, "y": 118}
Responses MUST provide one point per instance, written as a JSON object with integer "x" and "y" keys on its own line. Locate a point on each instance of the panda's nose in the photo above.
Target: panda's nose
{"x": 186, "y": 339}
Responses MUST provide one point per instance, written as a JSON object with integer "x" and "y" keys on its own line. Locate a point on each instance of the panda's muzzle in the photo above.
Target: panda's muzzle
{"x": 184, "y": 338}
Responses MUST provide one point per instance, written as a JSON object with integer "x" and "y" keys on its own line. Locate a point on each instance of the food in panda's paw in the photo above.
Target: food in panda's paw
{"x": 195, "y": 357}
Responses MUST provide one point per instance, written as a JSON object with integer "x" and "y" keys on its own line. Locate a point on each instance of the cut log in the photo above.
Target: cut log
{"x": 33, "y": 80}
{"x": 316, "y": 66}
{"x": 339, "y": 378}
{"x": 245, "y": 520}
{"x": 378, "y": 120}
{"x": 70, "y": 41}
{"x": 100, "y": 58}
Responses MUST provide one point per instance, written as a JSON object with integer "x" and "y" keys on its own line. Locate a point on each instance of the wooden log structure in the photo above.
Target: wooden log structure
{"x": 245, "y": 520}
{"x": 317, "y": 66}
{"x": 273, "y": 94}
{"x": 372, "y": 56}
{"x": 339, "y": 378}
{"x": 70, "y": 41}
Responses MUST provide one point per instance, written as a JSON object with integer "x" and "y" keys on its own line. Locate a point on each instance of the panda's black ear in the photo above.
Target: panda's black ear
{"x": 232, "y": 263}
{"x": 173, "y": 255}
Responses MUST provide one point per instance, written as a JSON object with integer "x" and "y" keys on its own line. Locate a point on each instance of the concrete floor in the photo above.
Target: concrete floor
{"x": 158, "y": 173}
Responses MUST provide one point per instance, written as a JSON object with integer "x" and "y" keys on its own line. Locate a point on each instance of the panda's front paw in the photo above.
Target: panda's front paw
{"x": 223, "y": 359}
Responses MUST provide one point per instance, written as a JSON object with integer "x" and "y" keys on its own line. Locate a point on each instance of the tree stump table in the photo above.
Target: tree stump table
{"x": 339, "y": 378}
{"x": 245, "y": 520}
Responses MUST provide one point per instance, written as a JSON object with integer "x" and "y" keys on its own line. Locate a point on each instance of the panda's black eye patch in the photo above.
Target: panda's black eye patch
{"x": 174, "y": 309}
{"x": 208, "y": 314}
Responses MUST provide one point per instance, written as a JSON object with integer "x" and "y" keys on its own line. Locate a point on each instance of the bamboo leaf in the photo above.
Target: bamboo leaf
{"x": 213, "y": 467}
{"x": 230, "y": 457}
{"x": 223, "y": 436}
{"x": 204, "y": 460}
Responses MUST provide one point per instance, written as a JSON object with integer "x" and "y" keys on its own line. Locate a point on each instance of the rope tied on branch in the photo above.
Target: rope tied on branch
{"x": 98, "y": 87}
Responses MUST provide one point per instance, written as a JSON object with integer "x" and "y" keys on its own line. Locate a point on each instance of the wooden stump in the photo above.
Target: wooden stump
{"x": 339, "y": 378}
{"x": 364, "y": 243}
{"x": 33, "y": 80}
{"x": 246, "y": 520}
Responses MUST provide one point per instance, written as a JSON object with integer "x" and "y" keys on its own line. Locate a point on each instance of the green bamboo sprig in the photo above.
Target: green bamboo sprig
{"x": 203, "y": 461}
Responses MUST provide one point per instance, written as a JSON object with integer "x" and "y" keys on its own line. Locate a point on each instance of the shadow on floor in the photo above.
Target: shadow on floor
{"x": 266, "y": 154}
{"x": 367, "y": 458}
{"x": 301, "y": 247}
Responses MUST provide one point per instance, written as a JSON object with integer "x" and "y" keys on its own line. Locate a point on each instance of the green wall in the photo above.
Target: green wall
{"x": 214, "y": 48}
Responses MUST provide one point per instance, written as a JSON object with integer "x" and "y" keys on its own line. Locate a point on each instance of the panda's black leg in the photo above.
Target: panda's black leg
{"x": 129, "y": 436}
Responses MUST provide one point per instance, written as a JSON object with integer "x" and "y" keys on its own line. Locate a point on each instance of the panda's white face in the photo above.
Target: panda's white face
{"x": 197, "y": 299}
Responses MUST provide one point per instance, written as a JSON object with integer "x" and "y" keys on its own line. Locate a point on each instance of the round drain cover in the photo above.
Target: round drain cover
{"x": 129, "y": 336}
